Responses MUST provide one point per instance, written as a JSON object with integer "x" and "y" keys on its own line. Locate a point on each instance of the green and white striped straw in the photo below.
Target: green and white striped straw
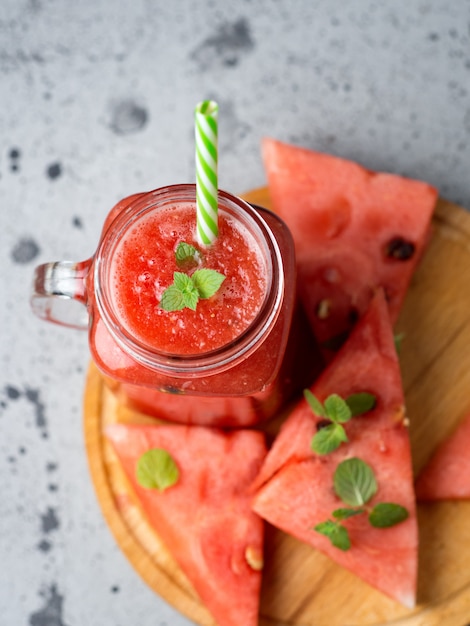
{"x": 206, "y": 171}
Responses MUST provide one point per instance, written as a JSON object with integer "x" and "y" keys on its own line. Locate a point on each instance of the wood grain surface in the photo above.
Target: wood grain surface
{"x": 301, "y": 587}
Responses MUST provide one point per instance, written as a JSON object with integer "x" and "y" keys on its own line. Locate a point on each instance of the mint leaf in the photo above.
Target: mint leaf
{"x": 156, "y": 469}
{"x": 186, "y": 290}
{"x": 172, "y": 299}
{"x": 337, "y": 534}
{"x": 336, "y": 409}
{"x": 207, "y": 282}
{"x": 186, "y": 255}
{"x": 360, "y": 403}
{"x": 185, "y": 252}
{"x": 183, "y": 282}
{"x": 191, "y": 299}
{"x": 314, "y": 403}
{"x": 182, "y": 293}
{"x": 387, "y": 514}
{"x": 328, "y": 439}
{"x": 354, "y": 482}
{"x": 341, "y": 514}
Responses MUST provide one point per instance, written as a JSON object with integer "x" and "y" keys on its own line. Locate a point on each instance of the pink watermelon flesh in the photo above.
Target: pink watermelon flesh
{"x": 354, "y": 230}
{"x": 447, "y": 474}
{"x": 205, "y": 519}
{"x": 294, "y": 489}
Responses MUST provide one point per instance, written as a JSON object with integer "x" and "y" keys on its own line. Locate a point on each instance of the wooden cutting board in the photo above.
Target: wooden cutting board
{"x": 301, "y": 587}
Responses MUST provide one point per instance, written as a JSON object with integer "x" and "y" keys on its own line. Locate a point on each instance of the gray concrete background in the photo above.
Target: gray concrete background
{"x": 97, "y": 102}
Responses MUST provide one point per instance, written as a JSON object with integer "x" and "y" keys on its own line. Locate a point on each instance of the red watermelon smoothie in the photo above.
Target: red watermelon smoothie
{"x": 144, "y": 266}
{"x": 236, "y": 357}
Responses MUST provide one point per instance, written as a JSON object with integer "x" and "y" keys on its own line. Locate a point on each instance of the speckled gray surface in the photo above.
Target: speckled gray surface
{"x": 97, "y": 102}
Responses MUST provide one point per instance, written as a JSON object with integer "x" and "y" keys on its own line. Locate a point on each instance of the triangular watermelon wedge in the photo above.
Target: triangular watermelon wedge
{"x": 447, "y": 474}
{"x": 294, "y": 490}
{"x": 205, "y": 519}
{"x": 354, "y": 230}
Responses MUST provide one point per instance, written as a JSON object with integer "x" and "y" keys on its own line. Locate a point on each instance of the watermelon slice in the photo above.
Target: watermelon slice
{"x": 354, "y": 230}
{"x": 447, "y": 474}
{"x": 205, "y": 519}
{"x": 294, "y": 489}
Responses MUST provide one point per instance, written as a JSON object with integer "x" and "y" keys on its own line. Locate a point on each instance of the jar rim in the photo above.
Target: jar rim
{"x": 225, "y": 356}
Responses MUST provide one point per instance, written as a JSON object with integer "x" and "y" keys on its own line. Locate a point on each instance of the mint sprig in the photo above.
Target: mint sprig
{"x": 338, "y": 412}
{"x": 182, "y": 293}
{"x": 330, "y": 436}
{"x": 156, "y": 469}
{"x": 355, "y": 484}
{"x": 186, "y": 290}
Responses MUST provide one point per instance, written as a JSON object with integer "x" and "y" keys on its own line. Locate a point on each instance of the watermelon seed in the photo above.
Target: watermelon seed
{"x": 254, "y": 558}
{"x": 323, "y": 424}
{"x": 353, "y": 316}
{"x": 399, "y": 249}
{"x": 324, "y": 309}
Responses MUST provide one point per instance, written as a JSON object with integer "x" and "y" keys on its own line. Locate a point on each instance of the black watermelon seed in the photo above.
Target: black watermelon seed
{"x": 399, "y": 249}
{"x": 353, "y": 316}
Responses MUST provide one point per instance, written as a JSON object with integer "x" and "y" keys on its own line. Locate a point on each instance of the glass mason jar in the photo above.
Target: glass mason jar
{"x": 240, "y": 383}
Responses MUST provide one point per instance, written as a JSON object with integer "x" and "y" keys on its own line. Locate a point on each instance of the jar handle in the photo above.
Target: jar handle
{"x": 59, "y": 293}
